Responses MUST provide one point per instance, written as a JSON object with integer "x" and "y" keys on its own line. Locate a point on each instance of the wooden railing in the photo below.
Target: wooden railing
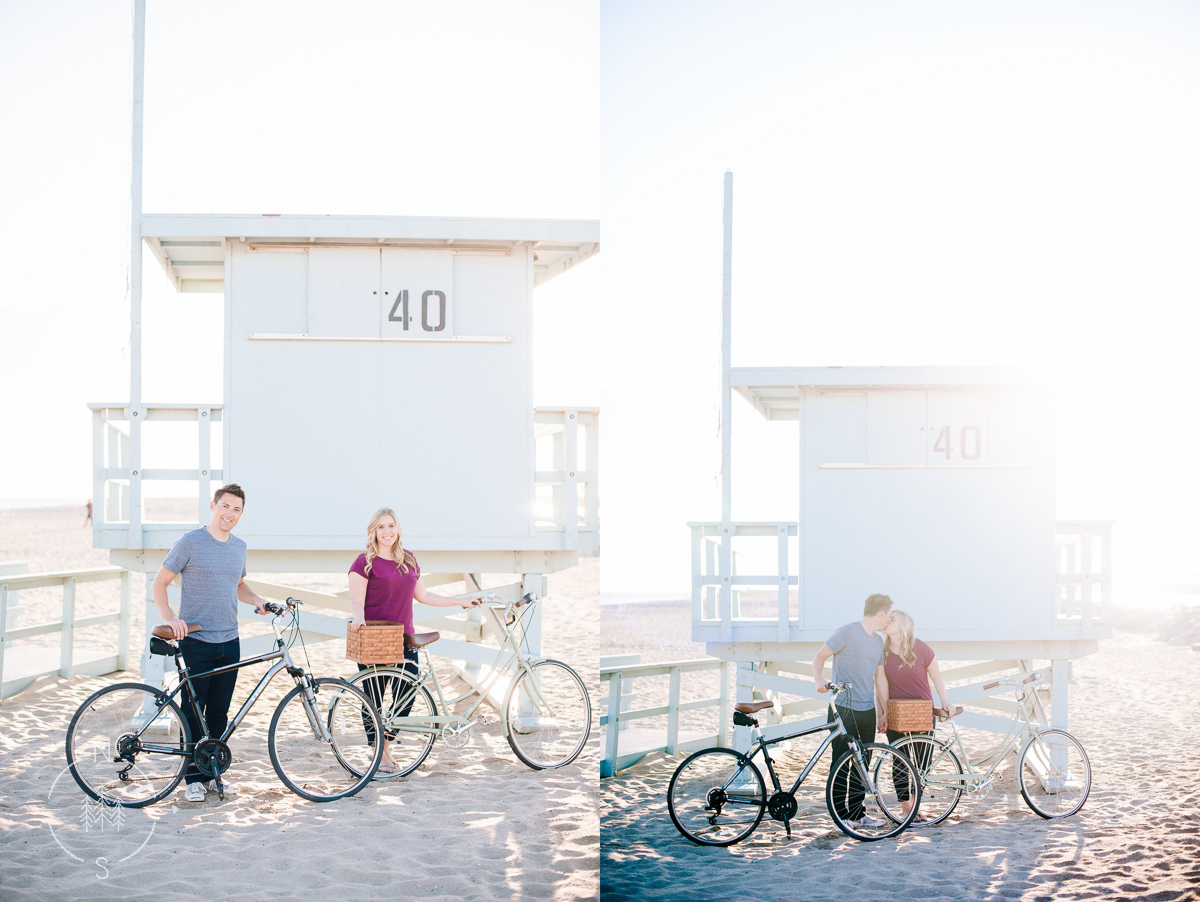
{"x": 578, "y": 518}
{"x": 69, "y": 622}
{"x": 1085, "y": 566}
{"x": 638, "y": 744}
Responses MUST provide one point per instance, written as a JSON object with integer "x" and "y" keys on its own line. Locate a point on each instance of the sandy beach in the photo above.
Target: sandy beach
{"x": 1138, "y": 836}
{"x": 473, "y": 824}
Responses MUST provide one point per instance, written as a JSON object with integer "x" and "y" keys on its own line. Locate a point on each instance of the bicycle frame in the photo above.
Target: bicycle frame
{"x": 1021, "y": 729}
{"x": 835, "y": 728}
{"x": 281, "y": 655}
{"x": 515, "y": 662}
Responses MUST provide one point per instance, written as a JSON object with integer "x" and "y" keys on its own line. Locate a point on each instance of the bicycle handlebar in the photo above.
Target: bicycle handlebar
{"x": 1008, "y": 681}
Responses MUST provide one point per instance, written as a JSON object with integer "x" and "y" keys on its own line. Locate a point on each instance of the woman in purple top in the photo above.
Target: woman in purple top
{"x": 909, "y": 665}
{"x": 384, "y": 580}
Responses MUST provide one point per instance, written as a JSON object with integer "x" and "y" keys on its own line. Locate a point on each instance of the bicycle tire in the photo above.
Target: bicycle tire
{"x": 547, "y": 722}
{"x": 105, "y": 723}
{"x": 700, "y": 801}
{"x": 930, "y": 757}
{"x": 852, "y": 813}
{"x": 314, "y": 768}
{"x": 408, "y": 745}
{"x": 1049, "y": 771}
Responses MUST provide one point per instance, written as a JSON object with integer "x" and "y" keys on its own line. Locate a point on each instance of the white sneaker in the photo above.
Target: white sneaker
{"x": 231, "y": 789}
{"x": 194, "y": 792}
{"x": 866, "y": 821}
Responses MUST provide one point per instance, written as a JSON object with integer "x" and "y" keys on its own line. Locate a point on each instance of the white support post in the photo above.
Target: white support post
{"x": 135, "y": 280}
{"x": 534, "y": 582}
{"x": 710, "y": 569}
{"x": 725, "y": 708}
{"x": 784, "y": 629}
{"x": 741, "y": 735}
{"x": 67, "y": 647}
{"x": 557, "y": 491}
{"x": 673, "y": 712}
{"x": 124, "y": 623}
{"x": 204, "y": 424}
{"x": 800, "y": 515}
{"x": 1059, "y": 670}
{"x": 1085, "y": 566}
{"x": 611, "y": 737}
{"x": 570, "y": 479}
{"x": 1069, "y": 589}
{"x": 726, "y": 552}
{"x": 13, "y": 609}
{"x": 697, "y": 572}
{"x": 153, "y": 669}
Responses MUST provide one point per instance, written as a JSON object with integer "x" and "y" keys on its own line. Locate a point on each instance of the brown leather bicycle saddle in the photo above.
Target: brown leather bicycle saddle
{"x": 419, "y": 640}
{"x": 164, "y": 632}
{"x": 752, "y": 707}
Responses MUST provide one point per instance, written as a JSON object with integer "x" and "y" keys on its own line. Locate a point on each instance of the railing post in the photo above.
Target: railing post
{"x": 558, "y": 491}
{"x": 571, "y": 479}
{"x": 135, "y": 478}
{"x": 1106, "y": 569}
{"x": 3, "y": 630}
{"x": 123, "y": 623}
{"x": 741, "y": 735}
{"x": 204, "y": 427}
{"x": 1085, "y": 564}
{"x": 1058, "y": 694}
{"x": 67, "y": 649}
{"x": 784, "y": 631}
{"x": 608, "y": 765}
{"x": 99, "y": 509}
{"x": 673, "y": 712}
{"x": 725, "y": 598}
{"x": 697, "y": 573}
{"x": 592, "y": 492}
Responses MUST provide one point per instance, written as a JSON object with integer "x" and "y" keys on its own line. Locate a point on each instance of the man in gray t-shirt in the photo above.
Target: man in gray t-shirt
{"x": 211, "y": 565}
{"x": 857, "y": 654}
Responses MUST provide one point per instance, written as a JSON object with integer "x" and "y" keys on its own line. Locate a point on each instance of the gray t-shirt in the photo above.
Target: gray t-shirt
{"x": 209, "y": 571}
{"x": 856, "y": 654}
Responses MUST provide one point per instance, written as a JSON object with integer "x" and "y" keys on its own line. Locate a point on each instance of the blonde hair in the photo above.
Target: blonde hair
{"x": 907, "y": 656}
{"x": 402, "y": 558}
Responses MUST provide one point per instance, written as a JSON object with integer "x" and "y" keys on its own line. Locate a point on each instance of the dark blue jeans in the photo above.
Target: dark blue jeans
{"x": 848, "y": 792}
{"x": 212, "y": 694}
{"x": 381, "y": 687}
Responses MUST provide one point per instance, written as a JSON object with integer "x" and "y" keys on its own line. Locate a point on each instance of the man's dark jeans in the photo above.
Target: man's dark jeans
{"x": 213, "y": 694}
{"x": 848, "y": 796}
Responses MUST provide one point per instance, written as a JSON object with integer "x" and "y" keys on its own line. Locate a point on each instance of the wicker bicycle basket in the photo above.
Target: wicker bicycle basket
{"x": 910, "y": 715}
{"x": 379, "y": 642}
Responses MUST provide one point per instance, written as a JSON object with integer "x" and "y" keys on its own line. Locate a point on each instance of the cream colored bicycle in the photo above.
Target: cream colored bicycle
{"x": 546, "y": 715}
{"x": 1053, "y": 771}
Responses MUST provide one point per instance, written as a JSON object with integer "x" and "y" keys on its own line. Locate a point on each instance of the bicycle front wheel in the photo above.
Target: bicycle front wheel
{"x": 1054, "y": 774}
{"x": 716, "y": 797}
{"x": 319, "y": 746}
{"x": 941, "y": 783}
{"x": 111, "y": 761}
{"x": 408, "y": 712}
{"x": 869, "y": 813}
{"x": 547, "y": 715}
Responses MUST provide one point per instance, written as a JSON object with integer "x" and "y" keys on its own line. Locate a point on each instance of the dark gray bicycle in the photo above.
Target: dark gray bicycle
{"x": 129, "y": 744}
{"x": 718, "y": 797}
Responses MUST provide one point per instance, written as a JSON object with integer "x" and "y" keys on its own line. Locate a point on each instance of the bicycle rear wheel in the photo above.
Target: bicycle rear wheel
{"x": 318, "y": 767}
{"x": 716, "y": 797}
{"x": 1054, "y": 774}
{"x": 113, "y": 766}
{"x": 547, "y": 715}
{"x": 936, "y": 763}
{"x": 407, "y": 710}
{"x": 870, "y": 815}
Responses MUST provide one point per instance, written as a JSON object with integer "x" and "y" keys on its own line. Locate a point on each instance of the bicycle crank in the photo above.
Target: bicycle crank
{"x": 782, "y": 805}
{"x": 980, "y": 791}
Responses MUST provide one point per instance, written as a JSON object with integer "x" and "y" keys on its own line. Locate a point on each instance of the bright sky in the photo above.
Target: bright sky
{"x": 915, "y": 183}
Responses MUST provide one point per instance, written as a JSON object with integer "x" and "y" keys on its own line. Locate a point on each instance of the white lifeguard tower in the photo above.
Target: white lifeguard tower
{"x": 319, "y": 312}
{"x": 934, "y": 485}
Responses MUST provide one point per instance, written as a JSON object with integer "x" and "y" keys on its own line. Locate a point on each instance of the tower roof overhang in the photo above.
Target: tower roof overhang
{"x": 191, "y": 248}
